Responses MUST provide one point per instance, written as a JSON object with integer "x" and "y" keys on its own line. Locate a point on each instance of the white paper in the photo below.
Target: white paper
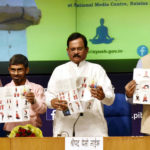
{"x": 84, "y": 143}
{"x": 142, "y": 92}
{"x": 13, "y": 105}
{"x": 78, "y": 96}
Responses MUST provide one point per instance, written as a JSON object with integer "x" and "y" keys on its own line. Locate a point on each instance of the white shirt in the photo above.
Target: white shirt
{"x": 92, "y": 123}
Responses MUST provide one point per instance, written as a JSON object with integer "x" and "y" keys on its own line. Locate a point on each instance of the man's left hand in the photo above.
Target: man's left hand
{"x": 98, "y": 93}
{"x": 30, "y": 97}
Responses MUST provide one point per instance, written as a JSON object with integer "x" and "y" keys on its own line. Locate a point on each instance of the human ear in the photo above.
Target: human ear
{"x": 9, "y": 69}
{"x": 27, "y": 70}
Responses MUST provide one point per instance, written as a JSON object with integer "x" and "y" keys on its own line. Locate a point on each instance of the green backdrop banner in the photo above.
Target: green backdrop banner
{"x": 47, "y": 41}
{"x": 122, "y": 26}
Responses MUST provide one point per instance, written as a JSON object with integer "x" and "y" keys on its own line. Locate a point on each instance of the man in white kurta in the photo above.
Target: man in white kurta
{"x": 91, "y": 122}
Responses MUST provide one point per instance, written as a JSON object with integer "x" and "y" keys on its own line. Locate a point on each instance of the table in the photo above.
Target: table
{"x": 58, "y": 143}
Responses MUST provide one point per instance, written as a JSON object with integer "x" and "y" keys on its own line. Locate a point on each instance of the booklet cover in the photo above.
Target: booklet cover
{"x": 78, "y": 96}
{"x": 142, "y": 92}
{"x": 13, "y": 105}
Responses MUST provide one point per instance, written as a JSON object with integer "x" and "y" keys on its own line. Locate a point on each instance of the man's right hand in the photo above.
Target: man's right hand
{"x": 59, "y": 104}
{"x": 130, "y": 88}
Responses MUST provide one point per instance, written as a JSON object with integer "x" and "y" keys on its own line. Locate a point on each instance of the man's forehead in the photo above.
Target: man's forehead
{"x": 76, "y": 42}
{"x": 17, "y": 66}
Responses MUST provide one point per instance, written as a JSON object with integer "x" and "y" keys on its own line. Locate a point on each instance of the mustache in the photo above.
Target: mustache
{"x": 77, "y": 55}
{"x": 16, "y": 76}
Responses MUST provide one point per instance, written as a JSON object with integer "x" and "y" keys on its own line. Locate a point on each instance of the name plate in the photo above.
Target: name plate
{"x": 84, "y": 143}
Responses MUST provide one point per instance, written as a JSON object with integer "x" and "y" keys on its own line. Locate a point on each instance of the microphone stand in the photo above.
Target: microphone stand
{"x": 73, "y": 134}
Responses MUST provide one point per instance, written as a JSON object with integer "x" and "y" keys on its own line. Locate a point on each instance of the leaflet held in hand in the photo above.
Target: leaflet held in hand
{"x": 78, "y": 96}
{"x": 13, "y": 105}
{"x": 142, "y": 91}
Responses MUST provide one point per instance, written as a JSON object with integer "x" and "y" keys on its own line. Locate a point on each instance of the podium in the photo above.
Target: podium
{"x": 50, "y": 143}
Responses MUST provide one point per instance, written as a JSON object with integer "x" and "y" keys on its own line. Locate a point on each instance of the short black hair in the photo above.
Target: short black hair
{"x": 19, "y": 59}
{"x": 75, "y": 36}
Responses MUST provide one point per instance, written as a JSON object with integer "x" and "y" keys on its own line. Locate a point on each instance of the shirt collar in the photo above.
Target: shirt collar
{"x": 80, "y": 64}
{"x": 13, "y": 84}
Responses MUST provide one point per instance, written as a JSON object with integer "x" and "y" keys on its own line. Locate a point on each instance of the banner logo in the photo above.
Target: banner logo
{"x": 102, "y": 35}
{"x": 142, "y": 50}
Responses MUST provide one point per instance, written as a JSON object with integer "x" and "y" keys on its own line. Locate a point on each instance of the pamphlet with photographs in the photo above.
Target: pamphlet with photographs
{"x": 142, "y": 92}
{"x": 79, "y": 97}
{"x": 13, "y": 105}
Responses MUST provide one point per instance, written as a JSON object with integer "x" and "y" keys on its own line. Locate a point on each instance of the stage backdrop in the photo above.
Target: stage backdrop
{"x": 117, "y": 32}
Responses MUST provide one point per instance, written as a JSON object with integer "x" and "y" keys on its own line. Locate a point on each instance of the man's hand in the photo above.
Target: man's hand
{"x": 130, "y": 88}
{"x": 98, "y": 93}
{"x": 59, "y": 104}
{"x": 30, "y": 97}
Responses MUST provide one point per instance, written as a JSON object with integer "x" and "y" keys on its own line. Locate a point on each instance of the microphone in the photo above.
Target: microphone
{"x": 73, "y": 134}
{"x": 81, "y": 114}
